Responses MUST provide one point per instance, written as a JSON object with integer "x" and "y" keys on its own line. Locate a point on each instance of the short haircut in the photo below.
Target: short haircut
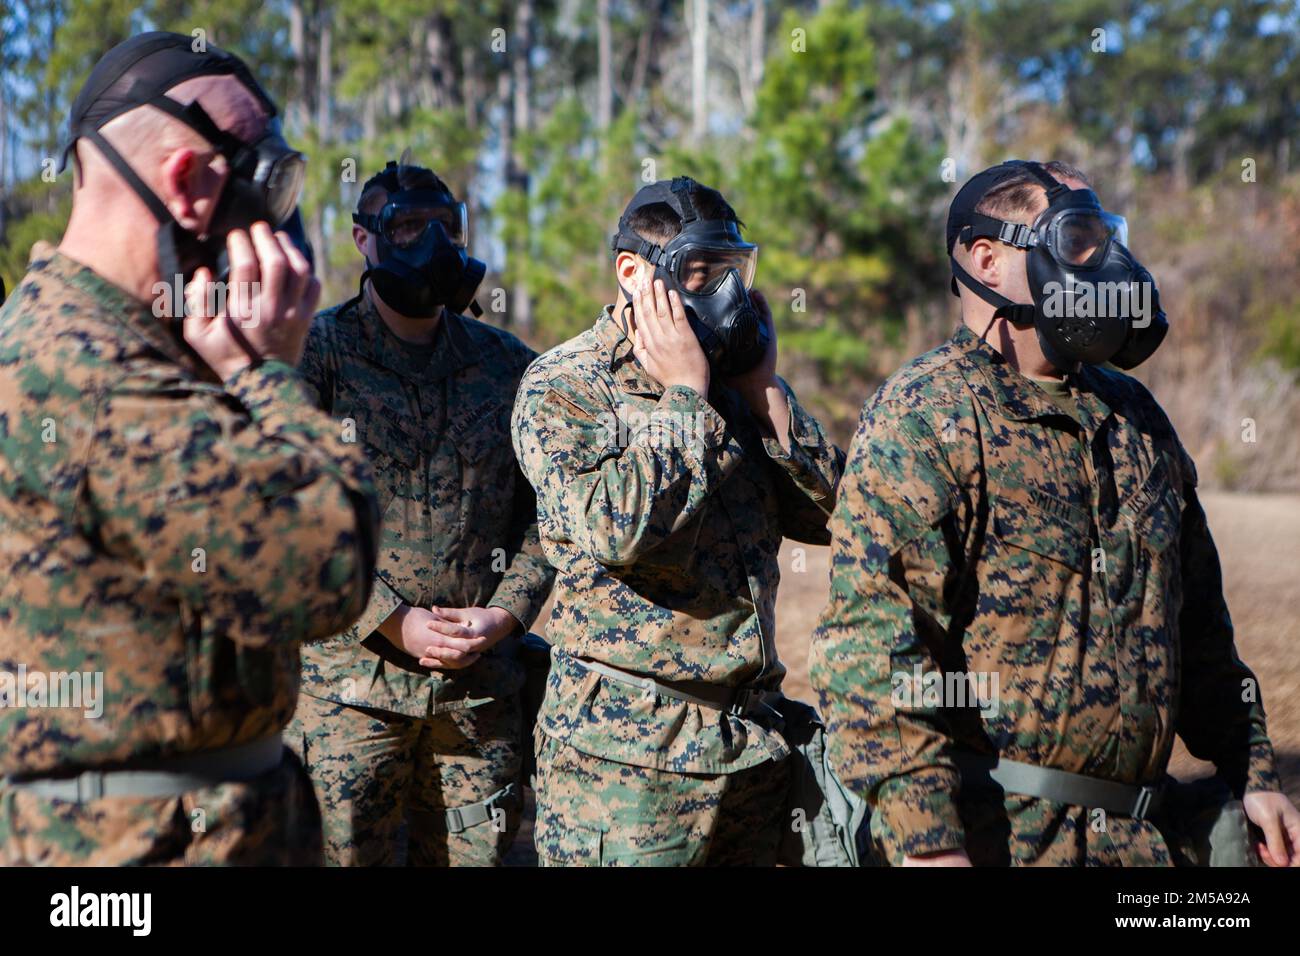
{"x": 1013, "y": 198}
{"x": 375, "y": 193}
{"x": 659, "y": 223}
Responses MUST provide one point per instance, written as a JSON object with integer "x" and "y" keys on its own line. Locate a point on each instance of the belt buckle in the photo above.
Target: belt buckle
{"x": 1143, "y": 803}
{"x": 743, "y": 700}
{"x": 455, "y": 822}
{"x": 90, "y": 786}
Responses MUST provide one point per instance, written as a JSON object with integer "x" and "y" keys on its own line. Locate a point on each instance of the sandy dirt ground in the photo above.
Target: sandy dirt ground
{"x": 1259, "y": 544}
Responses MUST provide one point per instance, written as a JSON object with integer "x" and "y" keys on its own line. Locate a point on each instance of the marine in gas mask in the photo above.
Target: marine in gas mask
{"x": 669, "y": 461}
{"x": 196, "y": 518}
{"x": 413, "y": 716}
{"x": 414, "y": 234}
{"x": 1016, "y": 504}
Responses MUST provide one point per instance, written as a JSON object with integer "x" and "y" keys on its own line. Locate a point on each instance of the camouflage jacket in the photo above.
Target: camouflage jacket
{"x": 459, "y": 520}
{"x": 978, "y": 531}
{"x": 177, "y": 538}
{"x": 663, "y": 513}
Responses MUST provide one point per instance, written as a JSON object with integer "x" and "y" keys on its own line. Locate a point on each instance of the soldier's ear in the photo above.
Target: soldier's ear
{"x": 190, "y": 187}
{"x": 361, "y": 239}
{"x": 628, "y": 267}
{"x": 985, "y": 265}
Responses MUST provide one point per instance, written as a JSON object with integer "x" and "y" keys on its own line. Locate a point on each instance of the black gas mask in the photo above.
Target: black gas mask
{"x": 420, "y": 238}
{"x": 711, "y": 268}
{"x": 265, "y": 176}
{"x": 1093, "y": 301}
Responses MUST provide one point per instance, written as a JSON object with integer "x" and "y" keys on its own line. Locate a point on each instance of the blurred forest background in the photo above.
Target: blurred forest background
{"x": 839, "y": 131}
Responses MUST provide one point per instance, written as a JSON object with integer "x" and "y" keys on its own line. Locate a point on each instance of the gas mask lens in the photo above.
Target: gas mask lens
{"x": 405, "y": 226}
{"x": 1118, "y": 227}
{"x": 1079, "y": 238}
{"x": 701, "y": 271}
{"x": 284, "y": 185}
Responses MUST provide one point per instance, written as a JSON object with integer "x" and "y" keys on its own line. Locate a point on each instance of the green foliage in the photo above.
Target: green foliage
{"x": 832, "y": 158}
{"x": 835, "y": 190}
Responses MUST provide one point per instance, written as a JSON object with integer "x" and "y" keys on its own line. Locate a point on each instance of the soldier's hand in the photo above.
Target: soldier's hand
{"x": 1277, "y": 816}
{"x": 481, "y": 626}
{"x": 943, "y": 858}
{"x": 664, "y": 342}
{"x": 408, "y": 629}
{"x": 269, "y": 300}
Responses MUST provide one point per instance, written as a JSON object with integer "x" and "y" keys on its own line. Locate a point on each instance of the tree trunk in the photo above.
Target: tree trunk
{"x": 699, "y": 69}
{"x": 605, "y": 81}
{"x": 324, "y": 116}
{"x": 325, "y": 78}
{"x": 296, "y": 114}
{"x": 757, "y": 42}
{"x": 470, "y": 86}
{"x": 521, "y": 73}
{"x": 644, "y": 44}
{"x": 442, "y": 67}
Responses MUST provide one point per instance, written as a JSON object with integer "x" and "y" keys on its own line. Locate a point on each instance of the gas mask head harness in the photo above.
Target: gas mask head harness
{"x": 420, "y": 237}
{"x": 712, "y": 269}
{"x": 265, "y": 175}
{"x": 1093, "y": 302}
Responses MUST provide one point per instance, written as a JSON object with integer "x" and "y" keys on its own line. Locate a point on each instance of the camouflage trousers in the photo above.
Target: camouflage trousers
{"x": 380, "y": 775}
{"x": 271, "y": 820}
{"x": 597, "y": 812}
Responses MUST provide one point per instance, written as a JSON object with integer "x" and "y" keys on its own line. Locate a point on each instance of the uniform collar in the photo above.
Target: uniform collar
{"x": 452, "y": 347}
{"x": 135, "y": 315}
{"x": 629, "y": 374}
{"x": 1016, "y": 396}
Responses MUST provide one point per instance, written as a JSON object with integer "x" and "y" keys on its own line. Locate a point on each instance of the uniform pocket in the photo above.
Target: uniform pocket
{"x": 1156, "y": 511}
{"x": 1026, "y": 528}
{"x": 1030, "y": 582}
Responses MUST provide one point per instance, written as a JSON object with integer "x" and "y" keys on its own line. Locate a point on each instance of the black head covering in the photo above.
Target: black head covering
{"x": 142, "y": 69}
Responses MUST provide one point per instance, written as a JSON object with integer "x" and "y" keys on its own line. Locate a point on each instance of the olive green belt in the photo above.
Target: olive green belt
{"x": 1059, "y": 786}
{"x": 163, "y": 778}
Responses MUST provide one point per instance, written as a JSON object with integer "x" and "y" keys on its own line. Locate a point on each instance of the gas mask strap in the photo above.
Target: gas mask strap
{"x": 1016, "y": 313}
{"x": 681, "y": 189}
{"x": 1049, "y": 182}
{"x": 116, "y": 160}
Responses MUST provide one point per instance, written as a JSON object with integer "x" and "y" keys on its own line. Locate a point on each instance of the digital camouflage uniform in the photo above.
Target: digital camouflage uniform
{"x": 663, "y": 514}
{"x": 385, "y": 740}
{"x": 181, "y": 539}
{"x": 964, "y": 535}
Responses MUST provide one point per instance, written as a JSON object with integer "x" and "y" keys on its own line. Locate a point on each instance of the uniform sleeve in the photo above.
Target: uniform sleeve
{"x": 243, "y": 503}
{"x": 889, "y": 560}
{"x": 806, "y": 476}
{"x": 527, "y": 580}
{"x": 1220, "y": 712}
{"x": 616, "y": 502}
{"x": 383, "y": 602}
